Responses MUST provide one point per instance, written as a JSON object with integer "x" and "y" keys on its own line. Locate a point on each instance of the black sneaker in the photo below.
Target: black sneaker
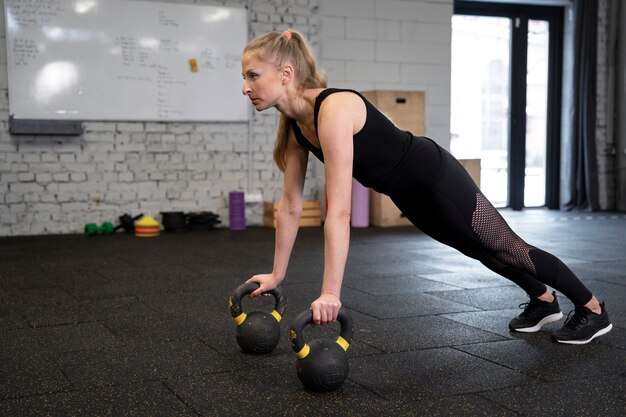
{"x": 583, "y": 326}
{"x": 536, "y": 313}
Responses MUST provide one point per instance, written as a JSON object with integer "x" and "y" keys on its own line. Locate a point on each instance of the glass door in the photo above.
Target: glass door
{"x": 480, "y": 96}
{"x": 536, "y": 113}
{"x": 505, "y": 106}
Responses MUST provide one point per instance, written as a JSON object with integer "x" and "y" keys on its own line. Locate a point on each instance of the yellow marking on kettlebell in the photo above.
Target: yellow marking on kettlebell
{"x": 343, "y": 343}
{"x": 230, "y": 301}
{"x": 303, "y": 352}
{"x": 277, "y": 315}
{"x": 240, "y": 318}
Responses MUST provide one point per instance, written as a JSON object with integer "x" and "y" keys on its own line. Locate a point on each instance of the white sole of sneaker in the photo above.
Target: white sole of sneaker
{"x": 584, "y": 342}
{"x": 547, "y": 319}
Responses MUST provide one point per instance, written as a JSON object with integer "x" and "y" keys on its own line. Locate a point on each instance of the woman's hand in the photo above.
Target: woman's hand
{"x": 325, "y": 309}
{"x": 266, "y": 282}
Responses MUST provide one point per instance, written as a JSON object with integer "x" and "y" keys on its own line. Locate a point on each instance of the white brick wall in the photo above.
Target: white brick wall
{"x": 58, "y": 184}
{"x": 391, "y": 44}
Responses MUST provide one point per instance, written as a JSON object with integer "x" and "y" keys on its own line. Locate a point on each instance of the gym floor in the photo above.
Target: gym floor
{"x": 118, "y": 325}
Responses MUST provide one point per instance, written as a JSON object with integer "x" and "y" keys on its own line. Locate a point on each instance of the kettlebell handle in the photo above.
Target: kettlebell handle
{"x": 241, "y": 291}
{"x": 306, "y": 318}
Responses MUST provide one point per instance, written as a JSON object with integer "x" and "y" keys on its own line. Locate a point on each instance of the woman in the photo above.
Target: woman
{"x": 352, "y": 138}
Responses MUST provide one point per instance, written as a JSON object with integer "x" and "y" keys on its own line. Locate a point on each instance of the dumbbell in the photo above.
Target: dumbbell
{"x": 126, "y": 222}
{"x": 92, "y": 229}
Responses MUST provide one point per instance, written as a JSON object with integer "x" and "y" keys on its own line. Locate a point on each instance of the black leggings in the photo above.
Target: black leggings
{"x": 453, "y": 211}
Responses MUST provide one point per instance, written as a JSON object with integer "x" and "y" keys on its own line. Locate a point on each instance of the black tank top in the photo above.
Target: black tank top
{"x": 386, "y": 158}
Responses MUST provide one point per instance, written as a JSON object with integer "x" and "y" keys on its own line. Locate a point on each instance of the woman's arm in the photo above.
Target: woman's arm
{"x": 287, "y": 216}
{"x": 341, "y": 116}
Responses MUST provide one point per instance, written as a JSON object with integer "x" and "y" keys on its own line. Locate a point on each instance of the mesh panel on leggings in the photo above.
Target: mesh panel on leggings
{"x": 498, "y": 238}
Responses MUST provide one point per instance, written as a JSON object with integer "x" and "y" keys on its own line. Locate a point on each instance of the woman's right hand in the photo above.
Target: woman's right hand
{"x": 266, "y": 282}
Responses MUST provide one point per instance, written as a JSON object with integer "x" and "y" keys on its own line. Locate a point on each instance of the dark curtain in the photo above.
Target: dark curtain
{"x": 583, "y": 184}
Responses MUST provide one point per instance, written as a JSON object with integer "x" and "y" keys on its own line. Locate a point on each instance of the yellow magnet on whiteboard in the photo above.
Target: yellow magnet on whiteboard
{"x": 193, "y": 64}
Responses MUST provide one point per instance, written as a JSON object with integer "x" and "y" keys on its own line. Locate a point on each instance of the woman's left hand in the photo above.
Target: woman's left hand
{"x": 325, "y": 309}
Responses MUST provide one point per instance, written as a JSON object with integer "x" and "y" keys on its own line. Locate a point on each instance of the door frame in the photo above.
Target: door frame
{"x": 520, "y": 15}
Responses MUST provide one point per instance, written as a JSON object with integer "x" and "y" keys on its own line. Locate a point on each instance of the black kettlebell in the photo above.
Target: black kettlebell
{"x": 257, "y": 331}
{"x": 322, "y": 365}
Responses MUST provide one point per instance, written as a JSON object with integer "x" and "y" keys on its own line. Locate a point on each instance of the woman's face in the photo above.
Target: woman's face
{"x": 262, "y": 81}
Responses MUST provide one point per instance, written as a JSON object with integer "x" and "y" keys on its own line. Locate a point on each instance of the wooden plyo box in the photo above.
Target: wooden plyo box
{"x": 384, "y": 213}
{"x": 406, "y": 110}
{"x": 472, "y": 166}
{"x": 311, "y": 213}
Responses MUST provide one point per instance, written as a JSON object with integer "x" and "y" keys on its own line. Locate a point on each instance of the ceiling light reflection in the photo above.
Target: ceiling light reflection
{"x": 83, "y": 6}
{"x": 54, "y": 79}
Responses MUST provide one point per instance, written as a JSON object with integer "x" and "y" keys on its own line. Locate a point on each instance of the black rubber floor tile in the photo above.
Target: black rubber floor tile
{"x": 300, "y": 295}
{"x": 62, "y": 338}
{"x": 422, "y": 375}
{"x": 204, "y": 303}
{"x": 496, "y": 298}
{"x": 8, "y": 251}
{"x": 497, "y": 321}
{"x": 393, "y": 284}
{"x": 25, "y": 277}
{"x": 419, "y": 333}
{"x": 552, "y": 361}
{"x": 616, "y": 338}
{"x": 230, "y": 268}
{"x": 310, "y": 271}
{"x": 10, "y": 317}
{"x": 83, "y": 285}
{"x": 399, "y": 305}
{"x": 470, "y": 279}
{"x": 387, "y": 254}
{"x": 47, "y": 306}
{"x": 613, "y": 271}
{"x": 67, "y": 262}
{"x": 135, "y": 363}
{"x": 113, "y": 308}
{"x": 276, "y": 391}
{"x": 584, "y": 250}
{"x": 173, "y": 291}
{"x": 228, "y": 271}
{"x": 281, "y": 356}
{"x": 146, "y": 399}
{"x": 467, "y": 405}
{"x": 447, "y": 261}
{"x": 596, "y": 396}
{"x": 146, "y": 280}
{"x": 151, "y": 329}
{"x": 28, "y": 375}
{"x": 382, "y": 270}
{"x": 173, "y": 326}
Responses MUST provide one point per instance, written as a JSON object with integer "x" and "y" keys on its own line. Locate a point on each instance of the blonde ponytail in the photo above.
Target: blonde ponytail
{"x": 278, "y": 48}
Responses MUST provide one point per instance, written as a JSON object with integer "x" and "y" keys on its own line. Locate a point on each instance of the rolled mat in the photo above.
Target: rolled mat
{"x": 360, "y": 205}
{"x": 237, "y": 210}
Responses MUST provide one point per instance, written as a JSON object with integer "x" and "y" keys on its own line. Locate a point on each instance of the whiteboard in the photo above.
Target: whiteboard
{"x": 125, "y": 60}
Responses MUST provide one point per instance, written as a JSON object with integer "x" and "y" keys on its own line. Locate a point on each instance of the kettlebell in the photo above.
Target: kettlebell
{"x": 322, "y": 365}
{"x": 257, "y": 331}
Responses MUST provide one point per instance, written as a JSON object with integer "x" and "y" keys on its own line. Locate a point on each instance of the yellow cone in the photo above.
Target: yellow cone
{"x": 147, "y": 227}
